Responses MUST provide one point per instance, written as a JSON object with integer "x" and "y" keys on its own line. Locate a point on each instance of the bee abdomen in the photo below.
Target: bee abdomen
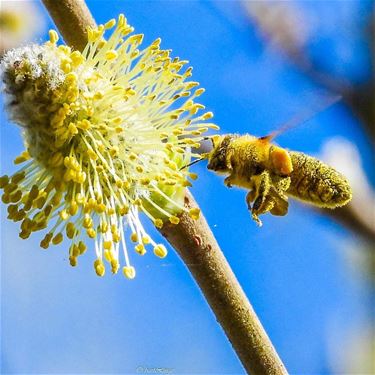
{"x": 315, "y": 182}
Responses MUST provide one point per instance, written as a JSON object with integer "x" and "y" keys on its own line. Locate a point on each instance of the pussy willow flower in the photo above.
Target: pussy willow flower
{"x": 107, "y": 132}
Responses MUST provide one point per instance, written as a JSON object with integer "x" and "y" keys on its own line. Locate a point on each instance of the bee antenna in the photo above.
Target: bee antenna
{"x": 192, "y": 163}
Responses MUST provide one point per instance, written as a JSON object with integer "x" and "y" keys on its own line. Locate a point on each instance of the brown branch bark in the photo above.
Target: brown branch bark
{"x": 72, "y": 17}
{"x": 198, "y": 248}
{"x": 195, "y": 242}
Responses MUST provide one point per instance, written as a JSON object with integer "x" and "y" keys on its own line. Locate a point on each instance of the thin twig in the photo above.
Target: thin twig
{"x": 360, "y": 98}
{"x": 195, "y": 243}
{"x": 351, "y": 219}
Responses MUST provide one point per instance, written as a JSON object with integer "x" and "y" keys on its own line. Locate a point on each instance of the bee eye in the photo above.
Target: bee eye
{"x": 217, "y": 163}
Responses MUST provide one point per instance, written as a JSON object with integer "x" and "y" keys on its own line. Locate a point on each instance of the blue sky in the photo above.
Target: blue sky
{"x": 295, "y": 270}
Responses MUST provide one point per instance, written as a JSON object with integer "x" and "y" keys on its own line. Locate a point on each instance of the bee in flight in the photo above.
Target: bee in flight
{"x": 272, "y": 173}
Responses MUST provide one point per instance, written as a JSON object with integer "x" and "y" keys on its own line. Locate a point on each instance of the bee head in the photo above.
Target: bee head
{"x": 217, "y": 157}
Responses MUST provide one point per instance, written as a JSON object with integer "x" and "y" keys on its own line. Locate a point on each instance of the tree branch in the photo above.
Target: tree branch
{"x": 195, "y": 242}
{"x": 72, "y": 17}
{"x": 198, "y": 248}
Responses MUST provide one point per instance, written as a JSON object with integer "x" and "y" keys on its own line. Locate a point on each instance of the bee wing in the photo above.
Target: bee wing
{"x": 301, "y": 118}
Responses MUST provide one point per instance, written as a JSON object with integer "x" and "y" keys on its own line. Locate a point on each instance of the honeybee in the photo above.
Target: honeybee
{"x": 272, "y": 174}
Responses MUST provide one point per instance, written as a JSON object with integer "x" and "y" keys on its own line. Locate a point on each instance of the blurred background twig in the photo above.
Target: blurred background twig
{"x": 20, "y": 22}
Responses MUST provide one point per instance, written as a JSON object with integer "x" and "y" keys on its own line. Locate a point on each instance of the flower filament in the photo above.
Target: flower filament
{"x": 106, "y": 134}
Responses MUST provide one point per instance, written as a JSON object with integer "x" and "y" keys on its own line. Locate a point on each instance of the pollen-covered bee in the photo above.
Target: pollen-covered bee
{"x": 272, "y": 173}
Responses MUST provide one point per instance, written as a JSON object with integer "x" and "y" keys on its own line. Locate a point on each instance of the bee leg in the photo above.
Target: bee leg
{"x": 266, "y": 205}
{"x": 278, "y": 192}
{"x": 280, "y": 208}
{"x": 263, "y": 202}
{"x": 255, "y": 217}
{"x": 258, "y": 203}
{"x": 281, "y": 161}
{"x": 281, "y": 204}
{"x": 263, "y": 183}
{"x": 228, "y": 181}
{"x": 250, "y": 198}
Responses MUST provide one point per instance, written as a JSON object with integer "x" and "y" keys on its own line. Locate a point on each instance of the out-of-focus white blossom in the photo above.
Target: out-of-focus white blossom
{"x": 280, "y": 23}
{"x": 20, "y": 22}
{"x": 343, "y": 155}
